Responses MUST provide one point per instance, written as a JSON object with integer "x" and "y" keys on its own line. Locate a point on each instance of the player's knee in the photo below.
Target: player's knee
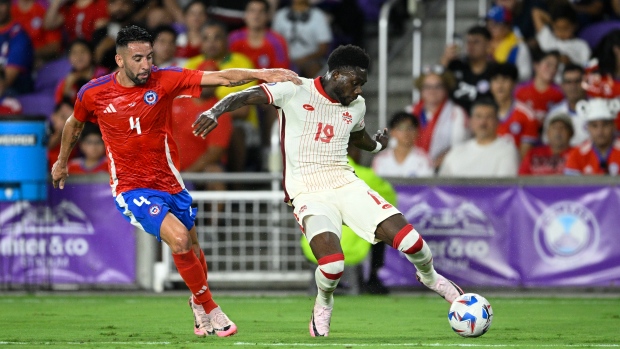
{"x": 408, "y": 241}
{"x": 178, "y": 240}
{"x": 332, "y": 266}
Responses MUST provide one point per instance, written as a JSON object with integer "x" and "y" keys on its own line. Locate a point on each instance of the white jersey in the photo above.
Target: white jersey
{"x": 314, "y": 135}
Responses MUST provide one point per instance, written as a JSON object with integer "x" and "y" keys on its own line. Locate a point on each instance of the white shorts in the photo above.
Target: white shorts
{"x": 354, "y": 204}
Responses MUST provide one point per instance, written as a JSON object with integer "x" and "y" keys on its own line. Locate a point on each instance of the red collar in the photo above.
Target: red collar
{"x": 319, "y": 87}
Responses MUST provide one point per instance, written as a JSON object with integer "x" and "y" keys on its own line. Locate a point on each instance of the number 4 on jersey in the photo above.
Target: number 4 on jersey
{"x": 135, "y": 125}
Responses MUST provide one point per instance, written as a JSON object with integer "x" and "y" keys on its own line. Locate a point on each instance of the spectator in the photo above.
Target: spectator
{"x": 550, "y": 159}
{"x": 244, "y": 150}
{"x": 521, "y": 18}
{"x": 572, "y": 78}
{"x": 46, "y": 43}
{"x": 164, "y": 48}
{"x": 307, "y": 34}
{"x": 62, "y": 111}
{"x": 486, "y": 155}
{"x": 94, "y": 159}
{"x": 506, "y": 46}
{"x": 157, "y": 16}
{"x": 194, "y": 18}
{"x": 104, "y": 39}
{"x": 79, "y": 18}
{"x": 599, "y": 155}
{"x": 8, "y": 105}
{"x": 516, "y": 119}
{"x": 541, "y": 93}
{"x": 472, "y": 70}
{"x": 442, "y": 122}
{"x": 16, "y": 56}
{"x": 404, "y": 159}
{"x": 266, "y": 48}
{"x": 197, "y": 154}
{"x": 83, "y": 69}
{"x": 556, "y": 31}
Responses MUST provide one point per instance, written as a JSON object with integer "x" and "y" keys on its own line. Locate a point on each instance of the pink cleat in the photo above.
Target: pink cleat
{"x": 447, "y": 289}
{"x": 320, "y": 320}
{"x": 202, "y": 324}
{"x": 221, "y": 324}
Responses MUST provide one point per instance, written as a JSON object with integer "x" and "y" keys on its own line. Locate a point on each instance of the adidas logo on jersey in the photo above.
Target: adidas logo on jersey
{"x": 109, "y": 109}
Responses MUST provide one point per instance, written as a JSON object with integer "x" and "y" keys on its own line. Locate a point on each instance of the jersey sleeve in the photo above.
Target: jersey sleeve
{"x": 182, "y": 82}
{"x": 279, "y": 93}
{"x": 361, "y": 124}
{"x": 81, "y": 111}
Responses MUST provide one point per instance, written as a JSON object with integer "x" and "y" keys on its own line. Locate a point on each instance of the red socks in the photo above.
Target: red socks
{"x": 203, "y": 261}
{"x": 195, "y": 278}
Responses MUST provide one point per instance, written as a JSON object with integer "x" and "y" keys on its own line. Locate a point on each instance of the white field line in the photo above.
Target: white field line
{"x": 458, "y": 345}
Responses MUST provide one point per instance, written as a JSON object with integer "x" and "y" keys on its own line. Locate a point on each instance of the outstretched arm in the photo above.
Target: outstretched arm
{"x": 207, "y": 121}
{"x": 236, "y": 77}
{"x": 70, "y": 135}
{"x": 374, "y": 144}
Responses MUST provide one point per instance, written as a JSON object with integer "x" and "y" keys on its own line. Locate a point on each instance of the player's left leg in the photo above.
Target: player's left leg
{"x": 397, "y": 232}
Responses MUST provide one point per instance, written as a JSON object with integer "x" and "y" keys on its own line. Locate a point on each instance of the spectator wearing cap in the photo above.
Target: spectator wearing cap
{"x": 442, "y": 122}
{"x": 471, "y": 71}
{"x": 550, "y": 159}
{"x": 516, "y": 119}
{"x": 487, "y": 154}
{"x": 572, "y": 77}
{"x": 506, "y": 46}
{"x": 403, "y": 159}
{"x": 541, "y": 93}
{"x": 600, "y": 155}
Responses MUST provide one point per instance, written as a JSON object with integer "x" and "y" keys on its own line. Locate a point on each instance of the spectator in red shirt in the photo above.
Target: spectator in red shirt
{"x": 79, "y": 18}
{"x": 46, "y": 43}
{"x": 194, "y": 18}
{"x": 516, "y": 119}
{"x": 550, "y": 159}
{"x": 266, "y": 48}
{"x": 92, "y": 148}
{"x": 83, "y": 69}
{"x": 599, "y": 155}
{"x": 540, "y": 93}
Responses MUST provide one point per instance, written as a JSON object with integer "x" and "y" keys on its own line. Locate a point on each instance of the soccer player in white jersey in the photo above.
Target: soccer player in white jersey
{"x": 318, "y": 119}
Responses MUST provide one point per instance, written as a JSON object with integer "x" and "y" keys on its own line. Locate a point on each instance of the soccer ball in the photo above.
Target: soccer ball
{"x": 470, "y": 315}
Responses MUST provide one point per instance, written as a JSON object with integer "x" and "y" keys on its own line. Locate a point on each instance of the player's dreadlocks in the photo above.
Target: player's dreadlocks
{"x": 348, "y": 56}
{"x": 132, "y": 33}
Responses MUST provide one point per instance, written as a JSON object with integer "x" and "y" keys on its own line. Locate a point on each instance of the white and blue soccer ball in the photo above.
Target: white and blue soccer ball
{"x": 470, "y": 315}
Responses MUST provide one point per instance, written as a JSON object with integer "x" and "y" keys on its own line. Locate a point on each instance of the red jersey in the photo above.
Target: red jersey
{"x": 585, "y": 159}
{"x": 77, "y": 167}
{"x": 80, "y": 22}
{"x": 273, "y": 52}
{"x": 541, "y": 161}
{"x": 32, "y": 22}
{"x": 184, "y": 112}
{"x": 136, "y": 126}
{"x": 540, "y": 102}
{"x": 520, "y": 124}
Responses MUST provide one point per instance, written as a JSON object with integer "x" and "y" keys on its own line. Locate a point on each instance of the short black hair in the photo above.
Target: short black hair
{"x": 401, "y": 116}
{"x": 164, "y": 29}
{"x": 264, "y": 2}
{"x": 348, "y": 56}
{"x": 572, "y": 67}
{"x": 508, "y": 70}
{"x": 484, "y": 101}
{"x": 564, "y": 11}
{"x": 538, "y": 55}
{"x": 132, "y": 33}
{"x": 479, "y": 30}
{"x": 215, "y": 23}
{"x": 83, "y": 42}
{"x": 90, "y": 129}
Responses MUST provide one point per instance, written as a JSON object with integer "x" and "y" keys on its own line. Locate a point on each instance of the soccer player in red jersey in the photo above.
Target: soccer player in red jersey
{"x": 133, "y": 109}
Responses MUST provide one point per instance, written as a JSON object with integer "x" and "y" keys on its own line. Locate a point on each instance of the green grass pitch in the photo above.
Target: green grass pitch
{"x": 400, "y": 321}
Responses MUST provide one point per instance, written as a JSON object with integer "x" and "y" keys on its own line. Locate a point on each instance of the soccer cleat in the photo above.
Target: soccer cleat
{"x": 320, "y": 320}
{"x": 202, "y": 324}
{"x": 447, "y": 289}
{"x": 221, "y": 324}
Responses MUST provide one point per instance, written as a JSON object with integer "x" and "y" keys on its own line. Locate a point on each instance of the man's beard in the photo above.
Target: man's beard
{"x": 137, "y": 80}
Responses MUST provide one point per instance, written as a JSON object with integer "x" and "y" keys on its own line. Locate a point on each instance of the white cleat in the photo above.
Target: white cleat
{"x": 320, "y": 320}
{"x": 202, "y": 323}
{"x": 447, "y": 289}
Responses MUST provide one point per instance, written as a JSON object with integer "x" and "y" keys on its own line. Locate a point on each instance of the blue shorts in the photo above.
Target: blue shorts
{"x": 146, "y": 208}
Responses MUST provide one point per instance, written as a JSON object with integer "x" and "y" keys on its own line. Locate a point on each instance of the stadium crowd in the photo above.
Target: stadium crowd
{"x": 531, "y": 91}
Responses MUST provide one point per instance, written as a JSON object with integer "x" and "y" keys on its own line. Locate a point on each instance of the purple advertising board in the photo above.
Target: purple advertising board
{"x": 514, "y": 236}
{"x": 75, "y": 237}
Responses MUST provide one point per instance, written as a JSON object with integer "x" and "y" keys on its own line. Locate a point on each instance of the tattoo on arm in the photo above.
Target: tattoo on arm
{"x": 251, "y": 96}
{"x": 237, "y": 83}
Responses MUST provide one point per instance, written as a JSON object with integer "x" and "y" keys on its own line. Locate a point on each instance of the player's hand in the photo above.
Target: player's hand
{"x": 60, "y": 172}
{"x": 205, "y": 123}
{"x": 280, "y": 75}
{"x": 382, "y": 137}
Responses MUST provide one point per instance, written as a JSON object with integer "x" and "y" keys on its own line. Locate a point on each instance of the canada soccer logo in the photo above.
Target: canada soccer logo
{"x": 150, "y": 97}
{"x": 346, "y": 117}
